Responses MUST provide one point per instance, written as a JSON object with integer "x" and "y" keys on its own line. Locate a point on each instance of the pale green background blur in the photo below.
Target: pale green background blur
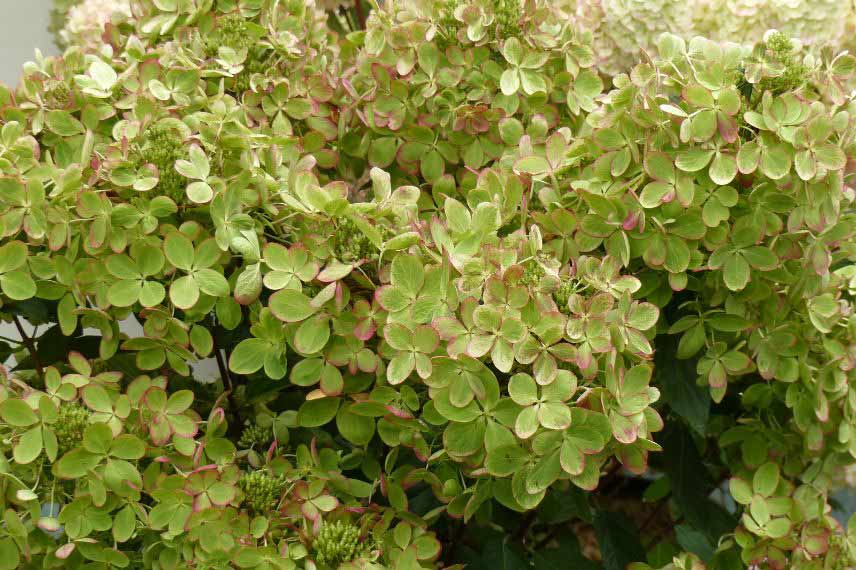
{"x": 23, "y": 27}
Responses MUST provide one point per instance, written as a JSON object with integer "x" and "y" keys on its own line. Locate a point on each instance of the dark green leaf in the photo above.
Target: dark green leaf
{"x": 677, "y": 380}
{"x": 619, "y": 544}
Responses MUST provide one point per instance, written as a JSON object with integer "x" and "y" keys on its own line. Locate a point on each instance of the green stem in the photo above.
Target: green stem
{"x": 226, "y": 378}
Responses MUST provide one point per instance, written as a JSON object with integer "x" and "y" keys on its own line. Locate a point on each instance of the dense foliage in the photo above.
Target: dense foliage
{"x": 473, "y": 301}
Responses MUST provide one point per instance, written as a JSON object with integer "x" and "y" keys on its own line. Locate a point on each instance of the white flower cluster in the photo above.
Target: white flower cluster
{"x": 86, "y": 20}
{"x": 623, "y": 29}
{"x": 745, "y": 21}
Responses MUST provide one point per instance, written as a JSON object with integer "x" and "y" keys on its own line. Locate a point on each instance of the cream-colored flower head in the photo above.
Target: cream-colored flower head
{"x": 86, "y": 20}
{"x": 815, "y": 22}
{"x": 622, "y": 29}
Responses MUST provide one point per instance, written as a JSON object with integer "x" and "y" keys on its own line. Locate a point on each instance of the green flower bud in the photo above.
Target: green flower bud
{"x": 350, "y": 244}
{"x": 57, "y": 95}
{"x": 781, "y": 54}
{"x": 255, "y": 63}
{"x": 533, "y": 271}
{"x": 262, "y": 490}
{"x": 337, "y": 543}
{"x": 507, "y": 17}
{"x": 162, "y": 146}
{"x": 232, "y": 31}
{"x": 256, "y": 436}
{"x": 70, "y": 425}
{"x": 503, "y": 16}
{"x": 447, "y": 23}
{"x": 563, "y": 294}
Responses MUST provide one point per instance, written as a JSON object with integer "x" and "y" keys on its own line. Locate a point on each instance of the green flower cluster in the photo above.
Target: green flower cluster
{"x": 231, "y": 31}
{"x": 625, "y": 29}
{"x": 72, "y": 421}
{"x": 507, "y": 14}
{"x": 446, "y": 21}
{"x": 57, "y": 95}
{"x": 789, "y": 73}
{"x": 817, "y": 22}
{"x": 563, "y": 293}
{"x": 349, "y": 243}
{"x": 533, "y": 271}
{"x": 262, "y": 491}
{"x": 162, "y": 145}
{"x": 336, "y": 543}
{"x": 124, "y": 442}
{"x": 257, "y": 62}
{"x": 255, "y": 436}
{"x": 499, "y": 19}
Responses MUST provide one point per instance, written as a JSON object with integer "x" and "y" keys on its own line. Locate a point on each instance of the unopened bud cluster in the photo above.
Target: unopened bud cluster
{"x": 255, "y": 436}
{"x": 70, "y": 425}
{"x": 164, "y": 145}
{"x": 563, "y": 294}
{"x": 57, "y": 95}
{"x": 262, "y": 490}
{"x": 232, "y": 32}
{"x": 533, "y": 271}
{"x": 507, "y": 15}
{"x": 350, "y": 244}
{"x": 337, "y": 542}
{"x": 782, "y": 56}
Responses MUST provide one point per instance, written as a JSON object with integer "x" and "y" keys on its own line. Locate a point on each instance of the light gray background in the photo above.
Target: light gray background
{"x": 23, "y": 28}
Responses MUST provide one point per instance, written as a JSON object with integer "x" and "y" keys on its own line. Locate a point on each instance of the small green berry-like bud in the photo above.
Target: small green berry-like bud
{"x": 350, "y": 244}
{"x": 337, "y": 543}
{"x": 262, "y": 490}
{"x": 70, "y": 425}
{"x": 57, "y": 95}
{"x": 232, "y": 31}
{"x": 256, "y": 436}
{"x": 255, "y": 63}
{"x": 780, "y": 44}
{"x": 781, "y": 54}
{"x": 507, "y": 17}
{"x": 162, "y": 146}
{"x": 563, "y": 294}
{"x": 533, "y": 271}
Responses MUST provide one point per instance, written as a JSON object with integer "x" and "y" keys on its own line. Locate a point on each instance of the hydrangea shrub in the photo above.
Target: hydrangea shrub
{"x": 473, "y": 299}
